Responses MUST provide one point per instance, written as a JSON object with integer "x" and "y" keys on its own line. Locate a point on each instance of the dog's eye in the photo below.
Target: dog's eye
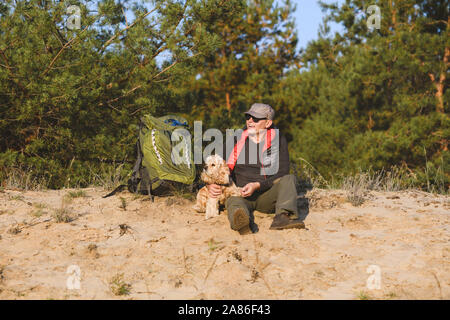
{"x": 213, "y": 165}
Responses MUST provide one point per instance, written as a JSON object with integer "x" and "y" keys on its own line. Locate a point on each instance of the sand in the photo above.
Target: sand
{"x": 126, "y": 247}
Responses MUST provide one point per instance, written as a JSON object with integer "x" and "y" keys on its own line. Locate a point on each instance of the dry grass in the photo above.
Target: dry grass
{"x": 106, "y": 175}
{"x": 14, "y": 230}
{"x": 123, "y": 204}
{"x": 110, "y": 176}
{"x": 363, "y": 295}
{"x": 308, "y": 177}
{"x": 437, "y": 175}
{"x": 62, "y": 215}
{"x": 182, "y": 193}
{"x": 357, "y": 186}
{"x": 394, "y": 179}
{"x": 22, "y": 178}
{"x": 17, "y": 197}
{"x": 319, "y": 273}
{"x": 2, "y": 274}
{"x": 391, "y": 295}
{"x": 39, "y": 205}
{"x": 214, "y": 245}
{"x": 76, "y": 194}
{"x": 38, "y": 213}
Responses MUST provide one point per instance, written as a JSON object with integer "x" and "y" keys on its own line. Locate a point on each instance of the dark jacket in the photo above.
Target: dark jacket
{"x": 257, "y": 165}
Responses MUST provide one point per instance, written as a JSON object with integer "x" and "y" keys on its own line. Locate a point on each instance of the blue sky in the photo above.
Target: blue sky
{"x": 308, "y": 17}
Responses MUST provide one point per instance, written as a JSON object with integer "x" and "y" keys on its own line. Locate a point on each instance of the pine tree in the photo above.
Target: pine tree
{"x": 70, "y": 98}
{"x": 258, "y": 46}
{"x": 380, "y": 95}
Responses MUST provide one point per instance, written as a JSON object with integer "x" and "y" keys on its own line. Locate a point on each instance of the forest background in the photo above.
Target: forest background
{"x": 353, "y": 101}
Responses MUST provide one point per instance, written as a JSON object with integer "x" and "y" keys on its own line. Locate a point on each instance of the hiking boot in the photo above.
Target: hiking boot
{"x": 282, "y": 221}
{"x": 241, "y": 222}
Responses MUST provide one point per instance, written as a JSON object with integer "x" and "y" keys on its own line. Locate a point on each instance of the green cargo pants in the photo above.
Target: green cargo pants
{"x": 280, "y": 198}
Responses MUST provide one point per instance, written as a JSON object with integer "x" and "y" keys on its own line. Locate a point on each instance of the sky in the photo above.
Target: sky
{"x": 308, "y": 17}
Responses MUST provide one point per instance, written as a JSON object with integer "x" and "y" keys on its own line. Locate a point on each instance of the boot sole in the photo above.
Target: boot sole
{"x": 296, "y": 225}
{"x": 241, "y": 222}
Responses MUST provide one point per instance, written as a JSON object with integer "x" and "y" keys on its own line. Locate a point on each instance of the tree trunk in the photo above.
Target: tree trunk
{"x": 440, "y": 84}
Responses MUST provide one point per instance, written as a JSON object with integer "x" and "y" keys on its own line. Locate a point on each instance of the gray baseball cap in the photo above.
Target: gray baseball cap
{"x": 261, "y": 110}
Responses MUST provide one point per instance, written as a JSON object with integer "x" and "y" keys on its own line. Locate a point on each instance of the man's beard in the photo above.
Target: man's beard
{"x": 253, "y": 132}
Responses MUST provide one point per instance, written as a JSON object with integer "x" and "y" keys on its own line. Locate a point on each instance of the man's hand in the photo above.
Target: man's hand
{"x": 214, "y": 190}
{"x": 249, "y": 188}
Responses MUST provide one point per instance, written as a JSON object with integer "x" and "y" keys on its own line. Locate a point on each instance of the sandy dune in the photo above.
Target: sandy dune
{"x": 131, "y": 248}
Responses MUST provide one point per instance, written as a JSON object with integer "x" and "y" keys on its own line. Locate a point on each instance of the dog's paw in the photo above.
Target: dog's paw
{"x": 198, "y": 208}
{"x": 211, "y": 215}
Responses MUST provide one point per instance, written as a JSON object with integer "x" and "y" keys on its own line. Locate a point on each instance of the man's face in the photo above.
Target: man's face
{"x": 255, "y": 125}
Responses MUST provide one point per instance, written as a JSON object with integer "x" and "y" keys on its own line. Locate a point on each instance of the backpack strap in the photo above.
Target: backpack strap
{"x": 134, "y": 179}
{"x": 135, "y": 175}
{"x": 116, "y": 190}
{"x": 147, "y": 179}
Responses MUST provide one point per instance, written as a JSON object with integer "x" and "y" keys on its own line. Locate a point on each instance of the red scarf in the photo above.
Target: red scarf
{"x": 232, "y": 159}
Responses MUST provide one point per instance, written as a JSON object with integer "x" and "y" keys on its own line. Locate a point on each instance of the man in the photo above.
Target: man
{"x": 259, "y": 163}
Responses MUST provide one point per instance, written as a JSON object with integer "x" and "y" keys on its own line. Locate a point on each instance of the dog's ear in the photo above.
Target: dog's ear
{"x": 224, "y": 174}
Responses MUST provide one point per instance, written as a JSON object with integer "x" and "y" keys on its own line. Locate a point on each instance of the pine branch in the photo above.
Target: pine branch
{"x": 5, "y": 59}
{"x": 125, "y": 16}
{"x": 171, "y": 32}
{"x": 14, "y": 76}
{"x": 154, "y": 77}
{"x": 161, "y": 47}
{"x": 128, "y": 27}
{"x": 7, "y": 67}
{"x": 172, "y": 65}
{"x": 60, "y": 51}
{"x": 126, "y": 94}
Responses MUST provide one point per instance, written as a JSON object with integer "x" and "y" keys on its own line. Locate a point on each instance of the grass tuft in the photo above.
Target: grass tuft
{"x": 363, "y": 295}
{"x": 2, "y": 273}
{"x": 17, "y": 197}
{"x": 62, "y": 215}
{"x": 40, "y": 205}
{"x": 118, "y": 286}
{"x": 76, "y": 194}
{"x": 356, "y": 188}
{"x": 22, "y": 178}
{"x": 391, "y": 295}
{"x": 14, "y": 230}
{"x": 109, "y": 176}
{"x": 123, "y": 204}
{"x": 38, "y": 213}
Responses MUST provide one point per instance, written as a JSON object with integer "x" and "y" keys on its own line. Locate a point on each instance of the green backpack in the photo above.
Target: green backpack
{"x": 157, "y": 169}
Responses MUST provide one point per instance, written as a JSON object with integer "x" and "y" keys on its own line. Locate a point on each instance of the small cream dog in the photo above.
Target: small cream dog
{"x": 216, "y": 171}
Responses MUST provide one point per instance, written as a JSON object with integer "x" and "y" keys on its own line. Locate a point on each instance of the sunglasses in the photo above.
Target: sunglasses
{"x": 248, "y": 116}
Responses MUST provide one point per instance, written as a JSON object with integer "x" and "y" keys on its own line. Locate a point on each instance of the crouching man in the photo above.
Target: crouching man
{"x": 259, "y": 163}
